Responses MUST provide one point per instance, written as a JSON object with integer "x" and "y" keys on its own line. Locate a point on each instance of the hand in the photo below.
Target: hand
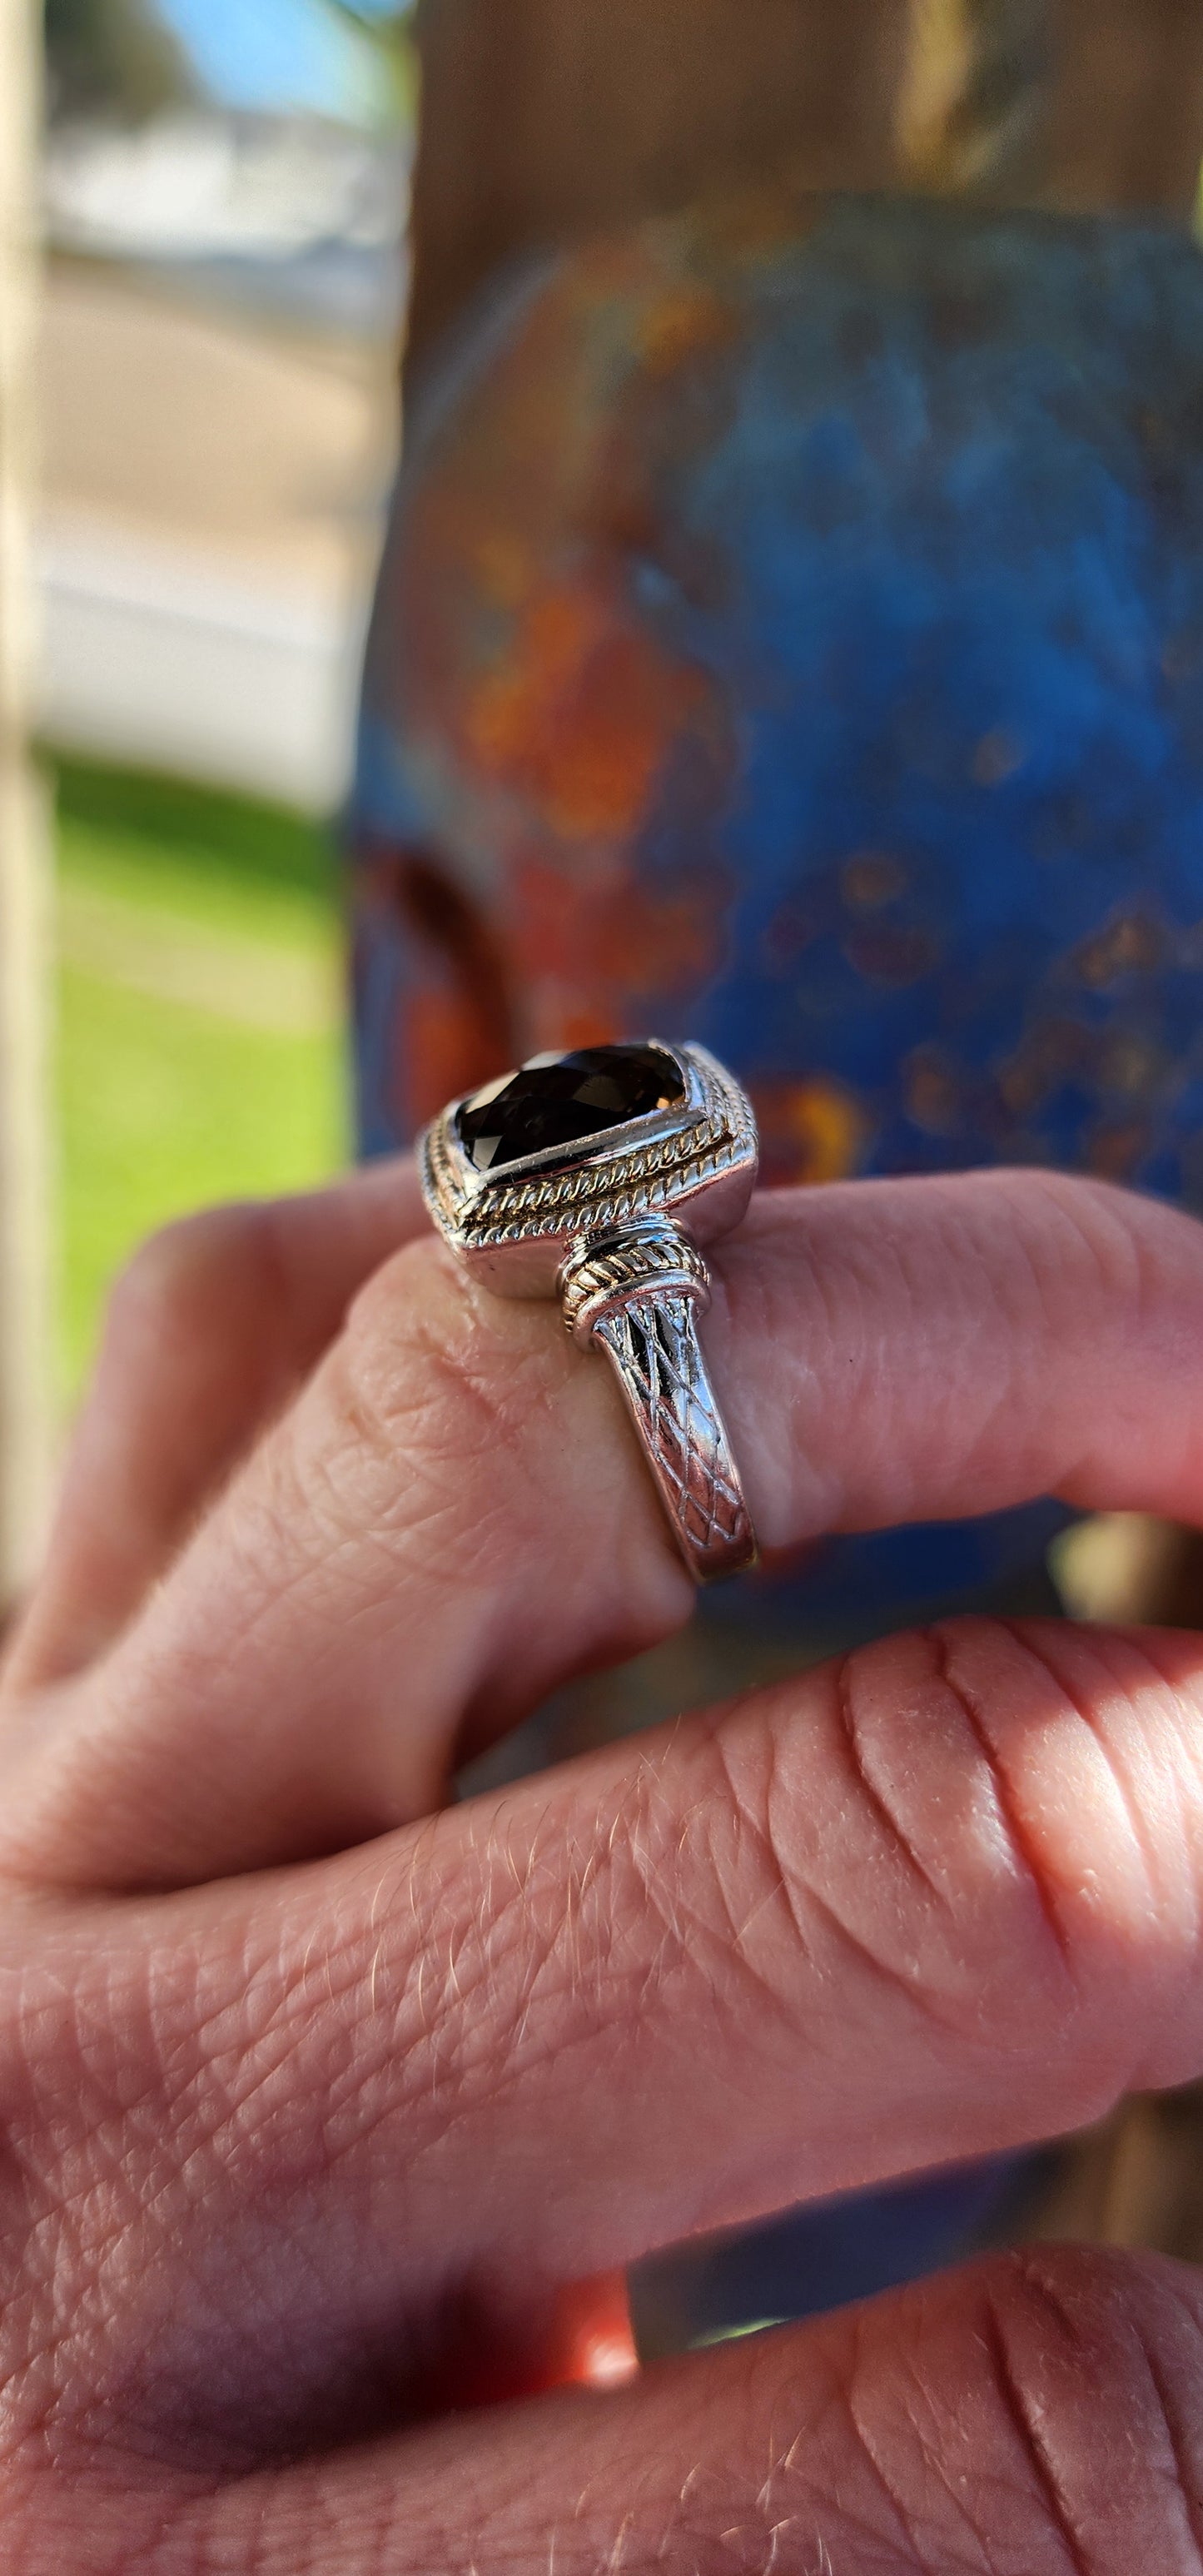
{"x": 329, "y": 2109}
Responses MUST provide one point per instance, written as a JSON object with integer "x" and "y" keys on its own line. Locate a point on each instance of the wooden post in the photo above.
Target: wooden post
{"x": 544, "y": 119}
{"x": 1126, "y": 121}
{"x": 25, "y": 1267}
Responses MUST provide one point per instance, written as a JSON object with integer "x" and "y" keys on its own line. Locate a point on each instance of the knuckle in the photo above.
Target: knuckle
{"x": 406, "y": 1387}
{"x": 456, "y": 1387}
{"x": 1021, "y": 1886}
{"x": 1069, "y": 1883}
{"x": 1043, "y": 2408}
{"x": 169, "y": 1280}
{"x": 68, "y": 2197}
{"x": 1107, "y": 1251}
{"x": 145, "y": 2108}
{"x": 1091, "y": 1753}
{"x": 415, "y": 1328}
{"x": 1095, "y": 2366}
{"x": 149, "y": 1284}
{"x": 878, "y": 1839}
{"x": 938, "y": 1825}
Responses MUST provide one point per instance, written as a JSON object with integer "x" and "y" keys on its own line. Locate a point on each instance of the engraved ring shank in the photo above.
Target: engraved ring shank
{"x": 596, "y": 1175}
{"x": 638, "y": 1294}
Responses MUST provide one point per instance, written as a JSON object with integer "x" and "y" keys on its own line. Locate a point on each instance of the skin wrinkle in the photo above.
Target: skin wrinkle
{"x": 1020, "y": 1307}
{"x": 840, "y": 1328}
{"x": 984, "y": 2561}
{"x": 503, "y": 2547}
{"x": 1138, "y": 1288}
{"x": 32, "y": 2344}
{"x": 887, "y": 1817}
{"x": 1034, "y": 2447}
{"x": 976, "y": 1293}
{"x": 87, "y": 2267}
{"x": 64, "y": 2300}
{"x": 461, "y": 1341}
{"x": 169, "y": 1306}
{"x": 1088, "y": 1221}
{"x": 851, "y": 1287}
{"x": 1049, "y": 1652}
{"x": 319, "y": 2027}
{"x": 1138, "y": 1648}
{"x": 373, "y": 1553}
{"x": 1187, "y": 2468}
{"x": 700, "y": 1943}
{"x": 531, "y": 2036}
{"x": 902, "y": 2523}
{"x": 536, "y": 1955}
{"x": 286, "y": 1516}
{"x": 246, "y": 2073}
{"x": 1033, "y": 1872}
{"x": 918, "y": 1994}
{"x": 156, "y": 2548}
{"x": 1036, "y": 1276}
{"x": 516, "y": 1875}
{"x": 419, "y": 1528}
{"x": 1184, "y": 2481}
{"x": 981, "y": 1404}
{"x": 493, "y": 1395}
{"x": 805, "y": 1904}
{"x": 792, "y": 2467}
{"x": 416, "y": 2022}
{"x": 1032, "y": 1647}
{"x": 851, "y": 1328}
{"x": 928, "y": 2433}
{"x": 1041, "y": 2285}
{"x": 665, "y": 1898}
{"x": 971, "y": 1245}
{"x": 73, "y": 2115}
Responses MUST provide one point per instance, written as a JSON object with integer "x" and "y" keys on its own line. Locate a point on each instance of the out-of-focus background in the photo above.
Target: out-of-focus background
{"x": 204, "y": 210}
{"x": 208, "y": 350}
{"x": 222, "y": 192}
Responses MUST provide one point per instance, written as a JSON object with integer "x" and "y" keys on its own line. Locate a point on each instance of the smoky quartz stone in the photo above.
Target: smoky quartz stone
{"x": 563, "y": 1099}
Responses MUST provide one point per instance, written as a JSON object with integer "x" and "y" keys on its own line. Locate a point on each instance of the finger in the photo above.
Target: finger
{"x": 208, "y": 1333}
{"x": 1041, "y": 2413}
{"x": 581, "y": 2336}
{"x": 455, "y": 1516}
{"x": 944, "y": 1898}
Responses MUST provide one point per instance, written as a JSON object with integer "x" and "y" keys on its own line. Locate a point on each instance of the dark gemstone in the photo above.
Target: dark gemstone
{"x": 558, "y": 1099}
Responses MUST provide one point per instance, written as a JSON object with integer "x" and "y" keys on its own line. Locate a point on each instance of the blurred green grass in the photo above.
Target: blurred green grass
{"x": 200, "y": 1045}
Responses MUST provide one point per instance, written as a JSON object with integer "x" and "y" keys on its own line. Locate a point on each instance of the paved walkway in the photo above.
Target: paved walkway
{"x": 277, "y": 988}
{"x": 213, "y": 496}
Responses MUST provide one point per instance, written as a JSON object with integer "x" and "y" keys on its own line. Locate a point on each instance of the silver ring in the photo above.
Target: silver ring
{"x": 596, "y": 1177}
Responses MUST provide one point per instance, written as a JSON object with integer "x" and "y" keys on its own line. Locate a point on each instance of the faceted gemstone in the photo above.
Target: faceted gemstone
{"x": 559, "y": 1099}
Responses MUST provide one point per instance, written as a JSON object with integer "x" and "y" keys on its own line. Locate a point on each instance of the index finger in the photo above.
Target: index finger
{"x": 210, "y": 1329}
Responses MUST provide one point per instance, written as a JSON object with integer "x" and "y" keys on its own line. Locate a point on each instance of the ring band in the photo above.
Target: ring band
{"x": 594, "y": 1176}
{"x": 639, "y": 1294}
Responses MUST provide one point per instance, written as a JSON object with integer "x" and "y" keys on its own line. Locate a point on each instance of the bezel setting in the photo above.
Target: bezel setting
{"x": 514, "y": 1227}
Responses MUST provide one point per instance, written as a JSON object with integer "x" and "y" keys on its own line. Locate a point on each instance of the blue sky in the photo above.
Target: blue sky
{"x": 277, "y": 53}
